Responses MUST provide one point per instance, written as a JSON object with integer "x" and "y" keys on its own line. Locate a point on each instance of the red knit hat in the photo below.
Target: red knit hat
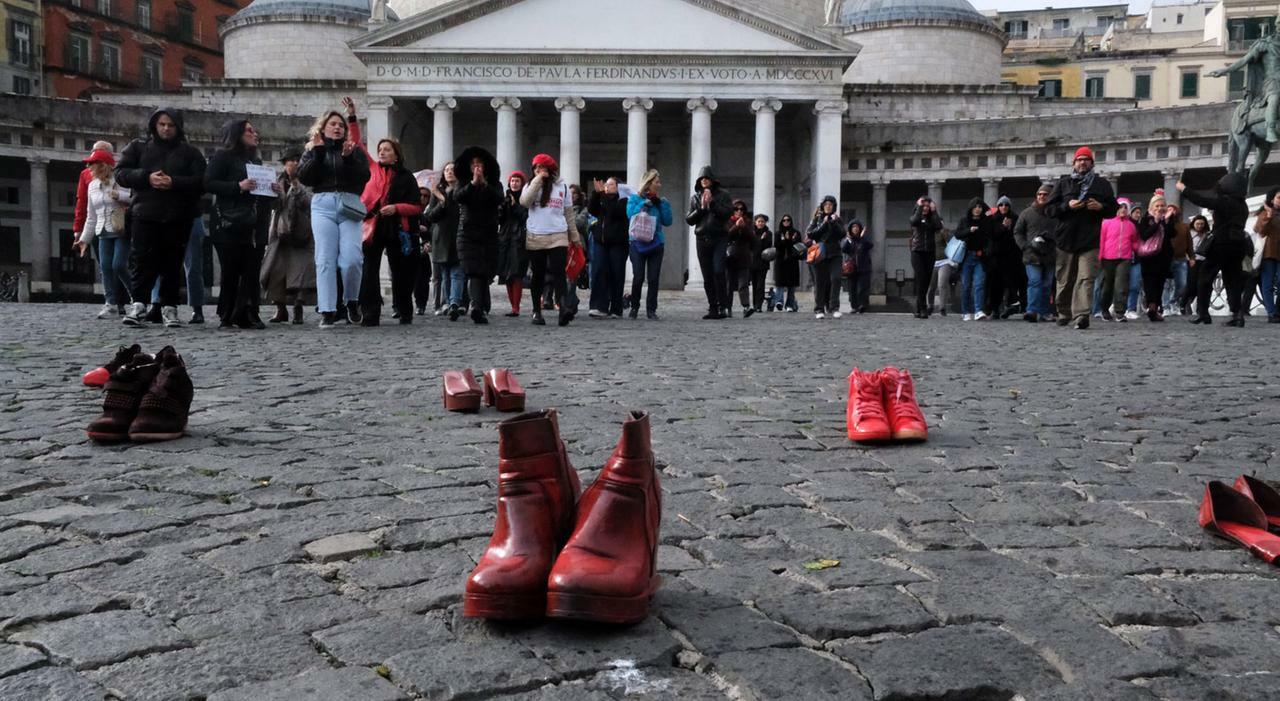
{"x": 545, "y": 161}
{"x": 518, "y": 174}
{"x": 100, "y": 157}
{"x": 1083, "y": 152}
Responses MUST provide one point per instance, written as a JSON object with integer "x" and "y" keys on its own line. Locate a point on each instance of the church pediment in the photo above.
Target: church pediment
{"x": 654, "y": 26}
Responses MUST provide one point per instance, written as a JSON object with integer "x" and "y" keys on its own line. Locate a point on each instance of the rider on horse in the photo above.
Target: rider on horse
{"x": 1262, "y": 59}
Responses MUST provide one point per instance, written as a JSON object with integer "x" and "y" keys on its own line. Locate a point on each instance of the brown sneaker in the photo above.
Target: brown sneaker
{"x": 162, "y": 413}
{"x": 121, "y": 398}
{"x": 98, "y": 377}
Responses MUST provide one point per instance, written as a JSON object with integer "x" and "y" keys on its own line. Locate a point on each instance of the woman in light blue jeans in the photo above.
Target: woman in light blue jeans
{"x": 336, "y": 169}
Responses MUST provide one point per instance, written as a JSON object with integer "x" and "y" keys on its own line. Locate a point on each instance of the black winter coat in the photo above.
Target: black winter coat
{"x": 828, "y": 232}
{"x": 742, "y": 244}
{"x": 513, "y": 221}
{"x": 711, "y": 223}
{"x": 976, "y": 233}
{"x": 222, "y": 179}
{"x": 323, "y": 168}
{"x": 442, "y": 215}
{"x": 786, "y": 270}
{"x": 175, "y": 157}
{"x": 1162, "y": 258}
{"x": 478, "y": 228}
{"x": 611, "y": 210}
{"x": 1078, "y": 230}
{"x": 402, "y": 190}
{"x": 1230, "y": 213}
{"x": 924, "y": 231}
{"x": 1004, "y": 250}
{"x": 763, "y": 240}
{"x": 1033, "y": 224}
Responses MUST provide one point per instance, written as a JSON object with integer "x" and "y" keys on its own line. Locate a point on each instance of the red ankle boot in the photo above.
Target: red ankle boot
{"x": 906, "y": 421}
{"x": 608, "y": 570}
{"x": 537, "y": 490}
{"x": 865, "y": 416}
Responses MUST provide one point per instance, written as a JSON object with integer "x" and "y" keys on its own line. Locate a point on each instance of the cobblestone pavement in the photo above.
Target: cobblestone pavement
{"x": 1043, "y": 543}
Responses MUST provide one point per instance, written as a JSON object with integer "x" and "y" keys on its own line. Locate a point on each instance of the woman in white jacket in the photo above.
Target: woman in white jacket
{"x": 104, "y": 220}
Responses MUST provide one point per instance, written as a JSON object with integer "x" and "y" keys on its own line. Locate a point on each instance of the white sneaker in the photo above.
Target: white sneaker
{"x": 966, "y": 317}
{"x": 596, "y": 314}
{"x": 981, "y": 316}
{"x": 440, "y": 312}
{"x": 819, "y": 315}
{"x": 107, "y": 311}
{"x": 791, "y": 310}
{"x": 836, "y": 315}
{"x": 1097, "y": 315}
{"x": 170, "y": 316}
{"x": 1131, "y": 315}
{"x": 134, "y": 314}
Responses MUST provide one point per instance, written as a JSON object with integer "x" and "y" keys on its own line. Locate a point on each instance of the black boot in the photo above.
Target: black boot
{"x": 282, "y": 314}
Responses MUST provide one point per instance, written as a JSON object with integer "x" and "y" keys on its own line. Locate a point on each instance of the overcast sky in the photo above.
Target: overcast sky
{"x": 1138, "y": 6}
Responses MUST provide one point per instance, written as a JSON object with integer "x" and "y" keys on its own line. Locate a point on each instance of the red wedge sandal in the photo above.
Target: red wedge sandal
{"x": 1234, "y": 516}
{"x": 502, "y": 390}
{"x": 461, "y": 393}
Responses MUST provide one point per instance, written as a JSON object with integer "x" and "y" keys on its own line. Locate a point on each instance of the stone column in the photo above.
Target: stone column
{"x": 42, "y": 240}
{"x": 700, "y": 109}
{"x": 935, "y": 194}
{"x": 762, "y": 194}
{"x": 442, "y": 109}
{"x": 508, "y": 158}
{"x": 1171, "y": 194}
{"x": 990, "y": 191}
{"x": 1114, "y": 179}
{"x": 879, "y": 224}
{"x": 637, "y": 109}
{"x": 827, "y": 149}
{"x": 377, "y": 121}
{"x": 570, "y": 109}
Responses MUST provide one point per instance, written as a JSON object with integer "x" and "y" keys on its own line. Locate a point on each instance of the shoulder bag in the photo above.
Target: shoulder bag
{"x": 955, "y": 251}
{"x": 350, "y": 207}
{"x": 643, "y": 227}
{"x": 1150, "y": 246}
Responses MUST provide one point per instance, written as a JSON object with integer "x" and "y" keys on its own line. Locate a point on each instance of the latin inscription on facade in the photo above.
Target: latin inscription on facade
{"x": 603, "y": 74}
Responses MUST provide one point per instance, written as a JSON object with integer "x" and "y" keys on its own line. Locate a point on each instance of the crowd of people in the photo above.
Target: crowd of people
{"x": 316, "y": 237}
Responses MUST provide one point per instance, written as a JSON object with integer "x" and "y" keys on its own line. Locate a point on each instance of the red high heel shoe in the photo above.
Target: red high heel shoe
{"x": 461, "y": 393}
{"x": 1262, "y": 494}
{"x": 501, "y": 389}
{"x": 1234, "y": 516}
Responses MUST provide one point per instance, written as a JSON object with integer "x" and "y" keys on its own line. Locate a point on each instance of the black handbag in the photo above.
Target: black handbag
{"x": 235, "y": 217}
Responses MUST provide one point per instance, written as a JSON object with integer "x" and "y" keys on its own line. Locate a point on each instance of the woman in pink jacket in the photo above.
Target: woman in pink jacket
{"x": 1115, "y": 250}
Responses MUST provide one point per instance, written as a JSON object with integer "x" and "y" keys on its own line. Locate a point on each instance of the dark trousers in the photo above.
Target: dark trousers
{"x": 645, "y": 269}
{"x": 1015, "y": 283}
{"x": 859, "y": 289}
{"x": 546, "y": 267}
{"x": 758, "y": 287}
{"x": 1233, "y": 279}
{"x": 158, "y": 251}
{"x": 715, "y": 279}
{"x": 240, "y": 293}
{"x": 739, "y": 282}
{"x": 1153, "y": 277}
{"x": 922, "y": 269}
{"x": 404, "y": 269}
{"x": 422, "y": 285}
{"x": 608, "y": 277}
{"x": 826, "y": 285}
{"x": 1192, "y": 290}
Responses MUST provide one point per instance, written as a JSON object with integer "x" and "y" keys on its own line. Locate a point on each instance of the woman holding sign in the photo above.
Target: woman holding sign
{"x": 241, "y": 219}
{"x": 648, "y": 214}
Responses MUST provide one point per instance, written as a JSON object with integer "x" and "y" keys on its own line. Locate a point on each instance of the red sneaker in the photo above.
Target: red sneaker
{"x": 905, "y": 418}
{"x": 866, "y": 416}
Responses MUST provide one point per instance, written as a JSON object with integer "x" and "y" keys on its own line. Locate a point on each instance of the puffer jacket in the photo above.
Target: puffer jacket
{"x": 924, "y": 231}
{"x": 713, "y": 222}
{"x": 176, "y": 158}
{"x": 1119, "y": 236}
{"x": 323, "y": 168}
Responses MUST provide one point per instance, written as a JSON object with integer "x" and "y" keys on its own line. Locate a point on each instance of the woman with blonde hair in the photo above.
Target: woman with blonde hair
{"x": 336, "y": 170}
{"x": 106, "y": 202}
{"x": 646, "y": 241}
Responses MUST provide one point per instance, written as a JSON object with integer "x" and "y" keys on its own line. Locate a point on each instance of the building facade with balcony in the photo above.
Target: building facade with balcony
{"x": 20, "y": 47}
{"x": 93, "y": 46}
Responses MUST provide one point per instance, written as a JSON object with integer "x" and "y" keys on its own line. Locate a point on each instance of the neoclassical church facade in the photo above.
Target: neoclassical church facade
{"x": 873, "y": 101}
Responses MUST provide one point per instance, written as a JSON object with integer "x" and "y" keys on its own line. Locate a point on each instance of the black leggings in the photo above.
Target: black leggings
{"x": 1233, "y": 279}
{"x": 922, "y": 269}
{"x": 826, "y": 285}
{"x": 1153, "y": 276}
{"x": 547, "y": 267}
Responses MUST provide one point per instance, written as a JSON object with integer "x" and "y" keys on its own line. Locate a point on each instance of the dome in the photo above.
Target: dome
{"x": 341, "y": 9}
{"x": 863, "y": 12}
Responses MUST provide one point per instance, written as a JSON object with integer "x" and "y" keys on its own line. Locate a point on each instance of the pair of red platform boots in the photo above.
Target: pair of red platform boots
{"x": 561, "y": 553}
{"x": 882, "y": 407}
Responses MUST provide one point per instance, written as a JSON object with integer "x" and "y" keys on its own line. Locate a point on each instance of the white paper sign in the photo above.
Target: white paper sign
{"x": 427, "y": 178}
{"x": 264, "y": 176}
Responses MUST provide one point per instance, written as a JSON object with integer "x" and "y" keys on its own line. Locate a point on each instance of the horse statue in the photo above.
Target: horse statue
{"x": 1248, "y": 132}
